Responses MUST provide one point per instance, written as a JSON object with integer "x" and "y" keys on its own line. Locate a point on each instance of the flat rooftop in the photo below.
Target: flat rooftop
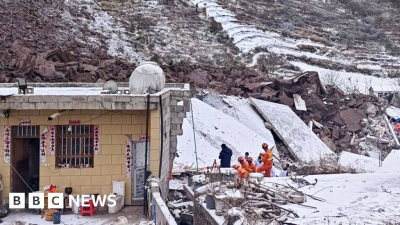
{"x": 82, "y": 96}
{"x": 9, "y": 89}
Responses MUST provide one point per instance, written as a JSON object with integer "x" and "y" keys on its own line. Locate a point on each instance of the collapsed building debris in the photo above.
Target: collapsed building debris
{"x": 226, "y": 199}
{"x": 181, "y": 207}
{"x": 301, "y": 141}
{"x": 342, "y": 121}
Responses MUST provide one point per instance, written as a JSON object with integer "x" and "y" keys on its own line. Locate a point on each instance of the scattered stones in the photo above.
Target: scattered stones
{"x": 341, "y": 115}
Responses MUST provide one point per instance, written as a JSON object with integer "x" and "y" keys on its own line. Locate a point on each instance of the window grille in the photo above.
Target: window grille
{"x": 25, "y": 131}
{"x": 74, "y": 146}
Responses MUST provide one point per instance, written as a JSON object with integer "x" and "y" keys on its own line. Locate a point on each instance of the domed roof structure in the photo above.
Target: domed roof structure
{"x": 148, "y": 77}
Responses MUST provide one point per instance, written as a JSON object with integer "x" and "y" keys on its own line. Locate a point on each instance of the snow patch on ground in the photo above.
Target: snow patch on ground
{"x": 369, "y": 198}
{"x": 358, "y": 162}
{"x": 391, "y": 163}
{"x": 213, "y": 128}
{"x": 134, "y": 215}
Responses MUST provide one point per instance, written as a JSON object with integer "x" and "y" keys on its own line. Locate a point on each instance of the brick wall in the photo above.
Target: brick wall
{"x": 109, "y": 165}
{"x": 173, "y": 115}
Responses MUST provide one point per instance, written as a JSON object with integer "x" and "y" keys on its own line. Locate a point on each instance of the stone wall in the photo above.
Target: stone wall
{"x": 175, "y": 105}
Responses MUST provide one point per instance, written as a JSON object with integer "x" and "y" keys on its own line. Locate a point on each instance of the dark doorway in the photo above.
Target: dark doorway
{"x": 25, "y": 157}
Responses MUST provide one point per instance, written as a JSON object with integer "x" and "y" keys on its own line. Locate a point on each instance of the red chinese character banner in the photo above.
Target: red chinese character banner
{"x": 52, "y": 140}
{"x": 128, "y": 157}
{"x": 25, "y": 123}
{"x": 96, "y": 139}
{"x": 43, "y": 146}
{"x": 7, "y": 143}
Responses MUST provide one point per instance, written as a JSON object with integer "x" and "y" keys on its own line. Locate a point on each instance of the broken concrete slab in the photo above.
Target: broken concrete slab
{"x": 299, "y": 103}
{"x": 361, "y": 163}
{"x": 304, "y": 144}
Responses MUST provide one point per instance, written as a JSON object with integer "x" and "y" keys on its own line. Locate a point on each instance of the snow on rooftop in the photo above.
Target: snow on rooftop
{"x": 62, "y": 90}
{"x": 57, "y": 90}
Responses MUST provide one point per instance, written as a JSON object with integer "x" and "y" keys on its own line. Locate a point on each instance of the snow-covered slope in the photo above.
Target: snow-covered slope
{"x": 249, "y": 38}
{"x": 241, "y": 110}
{"x": 213, "y": 128}
{"x": 101, "y": 22}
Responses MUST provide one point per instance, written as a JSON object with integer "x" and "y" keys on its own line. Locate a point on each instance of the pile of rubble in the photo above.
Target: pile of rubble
{"x": 61, "y": 41}
{"x": 60, "y": 65}
{"x": 249, "y": 201}
{"x": 49, "y": 41}
{"x": 181, "y": 207}
{"x": 344, "y": 122}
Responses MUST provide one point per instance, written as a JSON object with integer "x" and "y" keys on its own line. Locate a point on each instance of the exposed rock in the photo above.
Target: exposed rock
{"x": 370, "y": 109}
{"x": 199, "y": 77}
{"x": 352, "y": 116}
{"x": 329, "y": 143}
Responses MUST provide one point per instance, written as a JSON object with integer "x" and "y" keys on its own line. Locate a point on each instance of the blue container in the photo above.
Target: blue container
{"x": 57, "y": 217}
{"x": 210, "y": 202}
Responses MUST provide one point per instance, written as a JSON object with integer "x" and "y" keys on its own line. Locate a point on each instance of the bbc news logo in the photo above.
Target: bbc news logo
{"x": 56, "y": 200}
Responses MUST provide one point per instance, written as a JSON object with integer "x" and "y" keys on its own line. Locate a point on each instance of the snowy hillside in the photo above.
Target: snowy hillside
{"x": 209, "y": 43}
{"x": 248, "y": 38}
{"x": 213, "y": 128}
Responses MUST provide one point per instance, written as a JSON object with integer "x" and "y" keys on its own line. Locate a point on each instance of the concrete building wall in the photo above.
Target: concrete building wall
{"x": 175, "y": 105}
{"x": 109, "y": 165}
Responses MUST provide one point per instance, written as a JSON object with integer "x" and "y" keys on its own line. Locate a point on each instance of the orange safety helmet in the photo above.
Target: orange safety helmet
{"x": 240, "y": 159}
{"x": 249, "y": 159}
{"x": 264, "y": 146}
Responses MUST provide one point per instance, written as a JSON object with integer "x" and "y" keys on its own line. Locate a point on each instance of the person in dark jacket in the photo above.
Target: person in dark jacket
{"x": 225, "y": 155}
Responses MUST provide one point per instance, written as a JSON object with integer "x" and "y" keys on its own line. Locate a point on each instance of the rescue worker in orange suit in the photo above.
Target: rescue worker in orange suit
{"x": 397, "y": 128}
{"x": 243, "y": 171}
{"x": 267, "y": 159}
{"x": 251, "y": 165}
